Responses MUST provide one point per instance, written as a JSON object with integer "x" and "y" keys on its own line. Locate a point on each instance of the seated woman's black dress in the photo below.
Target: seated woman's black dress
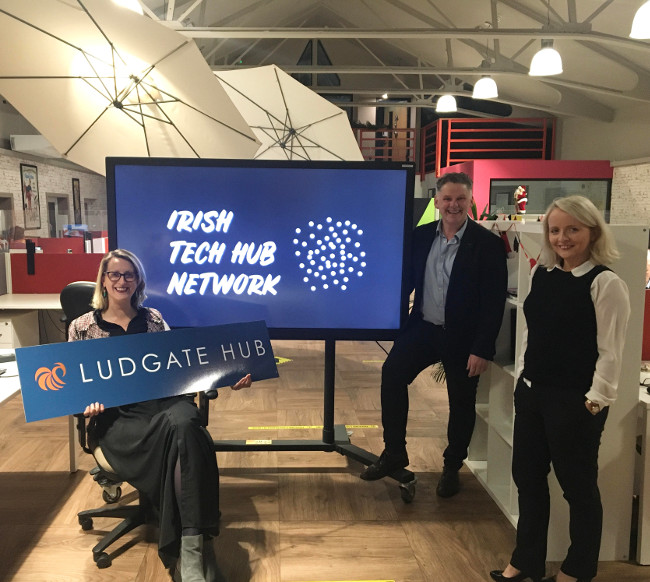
{"x": 142, "y": 442}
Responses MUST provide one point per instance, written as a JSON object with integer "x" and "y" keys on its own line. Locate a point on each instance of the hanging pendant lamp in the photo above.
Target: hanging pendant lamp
{"x": 485, "y": 88}
{"x": 641, "y": 22}
{"x": 446, "y": 104}
{"x": 546, "y": 62}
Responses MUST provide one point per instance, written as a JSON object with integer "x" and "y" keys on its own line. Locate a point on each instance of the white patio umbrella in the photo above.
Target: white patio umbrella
{"x": 292, "y": 121}
{"x": 99, "y": 80}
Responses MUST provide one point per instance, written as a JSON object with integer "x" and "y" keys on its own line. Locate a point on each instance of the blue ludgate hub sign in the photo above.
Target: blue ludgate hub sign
{"x": 60, "y": 379}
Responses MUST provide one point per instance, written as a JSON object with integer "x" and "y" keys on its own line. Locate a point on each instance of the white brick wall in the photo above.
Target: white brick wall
{"x": 52, "y": 180}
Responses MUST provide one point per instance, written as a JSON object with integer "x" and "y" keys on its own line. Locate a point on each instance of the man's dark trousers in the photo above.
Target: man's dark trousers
{"x": 418, "y": 346}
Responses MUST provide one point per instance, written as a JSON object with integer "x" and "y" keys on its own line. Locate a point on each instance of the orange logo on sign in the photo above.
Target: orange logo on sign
{"x": 48, "y": 379}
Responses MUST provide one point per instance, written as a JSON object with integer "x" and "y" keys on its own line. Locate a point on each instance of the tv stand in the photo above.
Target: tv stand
{"x": 335, "y": 437}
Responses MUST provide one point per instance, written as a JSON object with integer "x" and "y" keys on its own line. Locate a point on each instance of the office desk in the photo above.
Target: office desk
{"x": 30, "y": 301}
{"x": 22, "y": 304}
{"x": 19, "y": 319}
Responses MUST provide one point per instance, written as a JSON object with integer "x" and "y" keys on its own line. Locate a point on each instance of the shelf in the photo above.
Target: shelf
{"x": 500, "y": 494}
{"x": 478, "y": 469}
{"x": 510, "y": 369}
{"x": 507, "y": 367}
{"x": 483, "y": 412}
{"x": 504, "y": 431}
{"x": 514, "y": 301}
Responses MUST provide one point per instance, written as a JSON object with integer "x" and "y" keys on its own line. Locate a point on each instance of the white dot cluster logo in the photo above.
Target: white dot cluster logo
{"x": 330, "y": 254}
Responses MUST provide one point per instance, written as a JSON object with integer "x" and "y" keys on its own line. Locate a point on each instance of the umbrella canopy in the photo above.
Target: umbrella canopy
{"x": 98, "y": 80}
{"x": 292, "y": 121}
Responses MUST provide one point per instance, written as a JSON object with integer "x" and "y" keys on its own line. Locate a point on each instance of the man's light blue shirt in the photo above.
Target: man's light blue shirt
{"x": 436, "y": 274}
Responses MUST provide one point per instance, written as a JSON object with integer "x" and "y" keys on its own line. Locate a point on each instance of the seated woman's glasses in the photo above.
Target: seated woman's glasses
{"x": 115, "y": 276}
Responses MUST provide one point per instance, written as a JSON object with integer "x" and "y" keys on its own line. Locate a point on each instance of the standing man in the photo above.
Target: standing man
{"x": 459, "y": 275}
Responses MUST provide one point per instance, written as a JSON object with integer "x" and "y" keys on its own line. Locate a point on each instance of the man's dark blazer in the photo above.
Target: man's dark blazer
{"x": 477, "y": 289}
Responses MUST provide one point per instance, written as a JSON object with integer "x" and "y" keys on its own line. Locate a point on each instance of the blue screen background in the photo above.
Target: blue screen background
{"x": 364, "y": 207}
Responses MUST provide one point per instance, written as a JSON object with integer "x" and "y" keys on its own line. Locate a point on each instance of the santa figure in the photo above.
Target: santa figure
{"x": 521, "y": 197}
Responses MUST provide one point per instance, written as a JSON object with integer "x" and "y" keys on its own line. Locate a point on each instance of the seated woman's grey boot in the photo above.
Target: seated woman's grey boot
{"x": 191, "y": 559}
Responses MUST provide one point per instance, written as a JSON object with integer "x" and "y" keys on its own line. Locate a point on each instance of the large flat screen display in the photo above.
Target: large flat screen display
{"x": 318, "y": 250}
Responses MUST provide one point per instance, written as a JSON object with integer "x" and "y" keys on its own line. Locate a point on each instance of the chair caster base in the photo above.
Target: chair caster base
{"x": 102, "y": 559}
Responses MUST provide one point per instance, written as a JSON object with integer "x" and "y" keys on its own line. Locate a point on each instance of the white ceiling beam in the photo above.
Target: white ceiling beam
{"x": 185, "y": 14}
{"x": 383, "y": 66}
{"x": 571, "y": 9}
{"x": 572, "y": 108}
{"x": 598, "y": 10}
{"x": 150, "y": 13}
{"x": 171, "y": 6}
{"x": 569, "y": 32}
{"x": 540, "y": 17}
{"x": 634, "y": 95}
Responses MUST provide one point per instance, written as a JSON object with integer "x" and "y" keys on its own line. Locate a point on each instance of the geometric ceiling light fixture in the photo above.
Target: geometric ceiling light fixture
{"x": 641, "y": 22}
{"x": 446, "y": 104}
{"x": 546, "y": 62}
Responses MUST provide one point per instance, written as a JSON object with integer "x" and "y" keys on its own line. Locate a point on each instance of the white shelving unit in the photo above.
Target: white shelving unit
{"x": 490, "y": 454}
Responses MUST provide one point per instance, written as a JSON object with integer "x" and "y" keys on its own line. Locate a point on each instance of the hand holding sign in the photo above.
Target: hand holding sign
{"x": 245, "y": 382}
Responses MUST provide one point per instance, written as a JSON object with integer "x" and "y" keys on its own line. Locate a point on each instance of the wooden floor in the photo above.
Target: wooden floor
{"x": 287, "y": 516}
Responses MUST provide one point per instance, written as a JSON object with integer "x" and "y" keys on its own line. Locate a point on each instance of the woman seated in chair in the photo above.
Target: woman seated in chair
{"x": 158, "y": 446}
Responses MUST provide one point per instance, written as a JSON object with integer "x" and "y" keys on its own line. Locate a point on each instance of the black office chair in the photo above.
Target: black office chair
{"x": 75, "y": 301}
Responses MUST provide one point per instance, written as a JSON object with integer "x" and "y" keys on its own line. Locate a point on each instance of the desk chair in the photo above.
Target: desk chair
{"x": 75, "y": 301}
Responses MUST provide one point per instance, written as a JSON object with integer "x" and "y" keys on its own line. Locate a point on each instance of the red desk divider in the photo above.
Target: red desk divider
{"x": 52, "y": 272}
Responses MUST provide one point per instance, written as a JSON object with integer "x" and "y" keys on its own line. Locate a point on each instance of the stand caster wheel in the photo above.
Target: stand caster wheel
{"x": 86, "y": 523}
{"x": 102, "y": 560}
{"x": 407, "y": 490}
{"x": 112, "y": 496}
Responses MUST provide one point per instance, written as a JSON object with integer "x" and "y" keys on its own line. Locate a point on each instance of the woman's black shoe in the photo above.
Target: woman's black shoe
{"x": 499, "y": 577}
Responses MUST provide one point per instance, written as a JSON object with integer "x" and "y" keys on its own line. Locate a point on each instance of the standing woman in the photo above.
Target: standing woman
{"x": 158, "y": 446}
{"x": 576, "y": 317}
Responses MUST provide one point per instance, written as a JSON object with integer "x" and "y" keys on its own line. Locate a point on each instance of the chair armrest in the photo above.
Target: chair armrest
{"x": 81, "y": 433}
{"x": 204, "y": 404}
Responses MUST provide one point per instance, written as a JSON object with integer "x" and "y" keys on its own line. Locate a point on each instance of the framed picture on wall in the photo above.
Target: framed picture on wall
{"x": 76, "y": 200}
{"x": 31, "y": 197}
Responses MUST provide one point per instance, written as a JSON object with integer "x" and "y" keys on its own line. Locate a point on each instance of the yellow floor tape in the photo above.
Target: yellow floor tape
{"x": 305, "y": 427}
